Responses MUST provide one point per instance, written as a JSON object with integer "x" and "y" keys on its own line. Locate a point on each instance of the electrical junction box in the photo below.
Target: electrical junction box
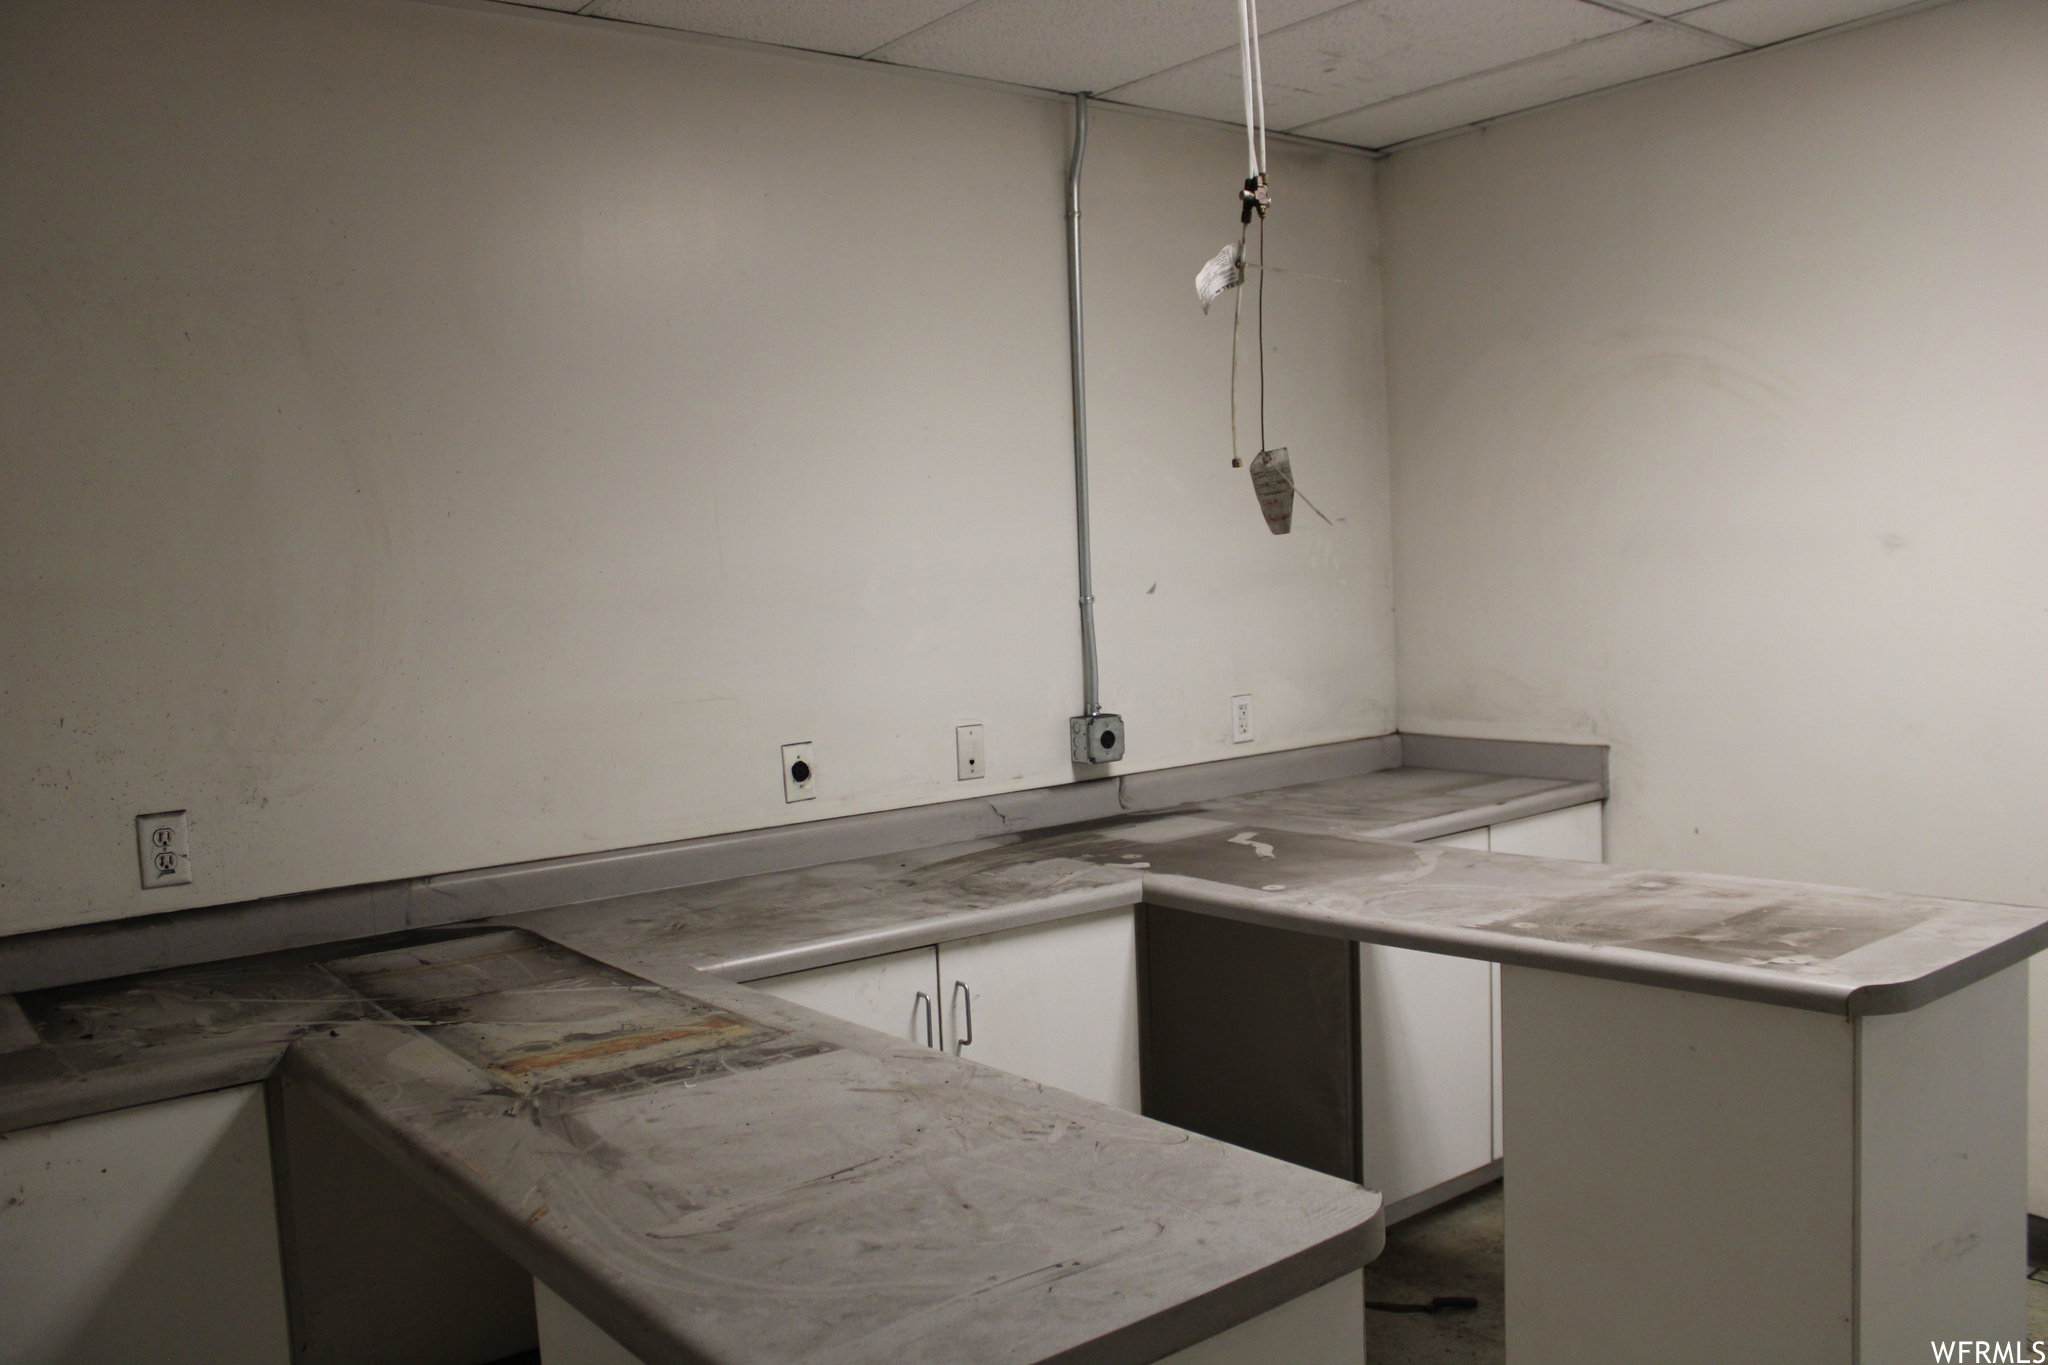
{"x": 1097, "y": 739}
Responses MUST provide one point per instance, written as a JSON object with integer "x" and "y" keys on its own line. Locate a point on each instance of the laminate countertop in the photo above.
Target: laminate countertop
{"x": 1317, "y": 858}
{"x": 71, "y": 1051}
{"x": 700, "y": 1167}
{"x": 714, "y": 1175}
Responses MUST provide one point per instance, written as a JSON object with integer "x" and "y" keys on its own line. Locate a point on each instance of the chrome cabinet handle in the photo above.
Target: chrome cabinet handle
{"x": 960, "y": 992}
{"x": 926, "y": 1001}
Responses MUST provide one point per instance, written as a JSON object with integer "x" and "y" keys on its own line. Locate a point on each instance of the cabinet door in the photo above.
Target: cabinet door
{"x": 147, "y": 1236}
{"x": 1426, "y": 1046}
{"x": 1573, "y": 832}
{"x": 1056, "y": 1002}
{"x": 1426, "y": 1064}
{"x": 897, "y": 993}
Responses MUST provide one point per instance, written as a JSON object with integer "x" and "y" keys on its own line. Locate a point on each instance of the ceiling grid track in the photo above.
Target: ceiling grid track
{"x": 1368, "y": 74}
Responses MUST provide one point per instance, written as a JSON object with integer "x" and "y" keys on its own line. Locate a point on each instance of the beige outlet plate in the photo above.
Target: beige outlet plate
{"x": 163, "y": 842}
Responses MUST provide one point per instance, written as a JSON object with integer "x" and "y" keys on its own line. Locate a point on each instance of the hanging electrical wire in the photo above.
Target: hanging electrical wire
{"x": 1272, "y": 473}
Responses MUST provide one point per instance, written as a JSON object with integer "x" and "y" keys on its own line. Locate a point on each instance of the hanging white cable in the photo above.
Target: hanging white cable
{"x": 1245, "y": 40}
{"x": 1258, "y": 73}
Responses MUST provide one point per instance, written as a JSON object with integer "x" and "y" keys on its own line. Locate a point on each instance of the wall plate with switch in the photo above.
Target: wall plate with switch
{"x": 164, "y": 843}
{"x": 799, "y": 777}
{"x": 1241, "y": 719}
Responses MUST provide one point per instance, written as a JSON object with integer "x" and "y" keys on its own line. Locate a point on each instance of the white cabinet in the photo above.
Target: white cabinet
{"x": 1576, "y": 832}
{"x": 147, "y": 1236}
{"x": 1056, "y": 1002}
{"x": 1573, "y": 832}
{"x": 1429, "y": 1035}
{"x": 1426, "y": 1058}
{"x": 896, "y": 993}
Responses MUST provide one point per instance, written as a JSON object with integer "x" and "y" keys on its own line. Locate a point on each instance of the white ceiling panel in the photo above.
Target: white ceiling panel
{"x": 1084, "y": 44}
{"x": 1373, "y": 50}
{"x": 1773, "y": 21}
{"x": 1645, "y": 50}
{"x": 1370, "y": 72}
{"x": 848, "y": 27}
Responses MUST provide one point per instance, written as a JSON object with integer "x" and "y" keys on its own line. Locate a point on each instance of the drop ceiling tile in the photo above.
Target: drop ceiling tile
{"x": 1373, "y": 50}
{"x": 1642, "y": 51}
{"x": 1773, "y": 21}
{"x": 1084, "y": 44}
{"x": 841, "y": 26}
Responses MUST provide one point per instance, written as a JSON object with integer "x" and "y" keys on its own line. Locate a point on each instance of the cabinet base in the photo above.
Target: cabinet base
{"x": 1422, "y": 1201}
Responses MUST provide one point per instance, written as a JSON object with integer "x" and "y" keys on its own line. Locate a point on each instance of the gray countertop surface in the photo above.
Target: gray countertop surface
{"x": 1318, "y": 858}
{"x": 88, "y": 1049}
{"x": 753, "y": 927}
{"x": 1116, "y": 1238}
{"x": 712, "y": 1174}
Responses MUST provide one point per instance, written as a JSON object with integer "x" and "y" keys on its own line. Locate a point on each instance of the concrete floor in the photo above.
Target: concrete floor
{"x": 1455, "y": 1248}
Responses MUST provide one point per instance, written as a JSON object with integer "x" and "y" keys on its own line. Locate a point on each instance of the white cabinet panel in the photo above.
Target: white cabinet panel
{"x": 569, "y": 1338}
{"x": 896, "y": 993}
{"x": 1573, "y": 832}
{"x": 1055, "y": 1002}
{"x": 2037, "y": 1086}
{"x": 1499, "y": 1145}
{"x": 1426, "y": 1054}
{"x": 147, "y": 1236}
{"x": 1323, "y": 1327}
{"x": 1429, "y": 1048}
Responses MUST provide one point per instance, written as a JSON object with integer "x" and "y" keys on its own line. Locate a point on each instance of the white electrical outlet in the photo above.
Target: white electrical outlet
{"x": 1241, "y": 719}
{"x": 967, "y": 741}
{"x": 164, "y": 843}
{"x": 799, "y": 775}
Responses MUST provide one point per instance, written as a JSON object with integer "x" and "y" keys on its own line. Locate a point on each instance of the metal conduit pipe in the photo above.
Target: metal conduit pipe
{"x": 1096, "y": 737}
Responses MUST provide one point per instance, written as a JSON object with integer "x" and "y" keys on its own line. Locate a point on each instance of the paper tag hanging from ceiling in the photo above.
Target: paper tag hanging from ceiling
{"x": 1273, "y": 481}
{"x": 1221, "y": 272}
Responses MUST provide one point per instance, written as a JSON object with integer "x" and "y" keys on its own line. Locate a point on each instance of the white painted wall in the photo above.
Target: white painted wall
{"x": 439, "y": 437}
{"x": 1720, "y": 407}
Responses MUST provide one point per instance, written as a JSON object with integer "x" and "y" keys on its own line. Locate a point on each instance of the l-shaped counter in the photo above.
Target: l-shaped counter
{"x": 1752, "y": 1120}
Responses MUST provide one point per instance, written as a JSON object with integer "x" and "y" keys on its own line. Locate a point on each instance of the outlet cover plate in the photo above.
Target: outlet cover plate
{"x": 799, "y": 773}
{"x": 973, "y": 760}
{"x": 1241, "y": 719}
{"x": 164, "y": 843}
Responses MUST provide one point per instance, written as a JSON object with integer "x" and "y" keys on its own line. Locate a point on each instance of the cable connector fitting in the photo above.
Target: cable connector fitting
{"x": 1257, "y": 198}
